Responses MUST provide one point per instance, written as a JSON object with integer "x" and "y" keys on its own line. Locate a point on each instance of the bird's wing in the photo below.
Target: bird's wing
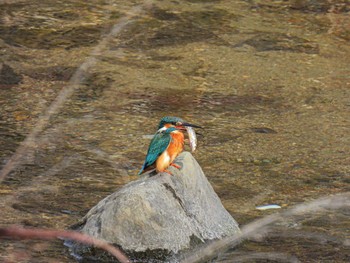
{"x": 159, "y": 144}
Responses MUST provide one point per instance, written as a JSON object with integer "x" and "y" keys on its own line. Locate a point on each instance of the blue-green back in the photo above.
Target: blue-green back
{"x": 158, "y": 145}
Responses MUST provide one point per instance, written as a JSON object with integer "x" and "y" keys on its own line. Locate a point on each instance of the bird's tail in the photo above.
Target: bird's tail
{"x": 145, "y": 169}
{"x": 141, "y": 171}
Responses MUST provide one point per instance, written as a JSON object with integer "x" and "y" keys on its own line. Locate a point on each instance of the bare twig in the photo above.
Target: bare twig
{"x": 317, "y": 237}
{"x": 206, "y": 253}
{"x": 67, "y": 92}
{"x": 244, "y": 257}
{"x": 17, "y": 232}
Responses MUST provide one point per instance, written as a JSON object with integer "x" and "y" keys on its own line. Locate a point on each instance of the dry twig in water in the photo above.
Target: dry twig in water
{"x": 212, "y": 250}
{"x": 17, "y": 232}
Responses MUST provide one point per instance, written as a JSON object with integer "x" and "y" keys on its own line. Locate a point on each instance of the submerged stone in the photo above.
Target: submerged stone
{"x": 8, "y": 76}
{"x": 280, "y": 42}
{"x": 164, "y": 212}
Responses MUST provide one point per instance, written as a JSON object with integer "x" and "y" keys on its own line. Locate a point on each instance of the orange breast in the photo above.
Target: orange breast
{"x": 163, "y": 162}
{"x": 176, "y": 145}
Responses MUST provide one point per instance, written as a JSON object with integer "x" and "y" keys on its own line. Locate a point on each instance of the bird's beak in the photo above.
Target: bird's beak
{"x": 186, "y": 124}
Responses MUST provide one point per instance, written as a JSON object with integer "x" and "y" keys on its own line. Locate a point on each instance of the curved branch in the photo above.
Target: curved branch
{"x": 207, "y": 252}
{"x": 17, "y": 232}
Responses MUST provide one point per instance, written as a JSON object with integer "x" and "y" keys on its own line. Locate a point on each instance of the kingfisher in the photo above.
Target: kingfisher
{"x": 166, "y": 145}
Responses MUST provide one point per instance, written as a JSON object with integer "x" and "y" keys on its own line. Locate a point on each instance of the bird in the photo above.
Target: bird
{"x": 165, "y": 146}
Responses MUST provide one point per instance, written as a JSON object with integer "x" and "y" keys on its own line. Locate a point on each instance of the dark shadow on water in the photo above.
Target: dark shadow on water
{"x": 189, "y": 100}
{"x": 169, "y": 29}
{"x": 280, "y": 42}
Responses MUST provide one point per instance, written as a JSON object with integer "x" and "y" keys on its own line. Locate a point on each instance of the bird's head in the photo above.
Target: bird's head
{"x": 175, "y": 122}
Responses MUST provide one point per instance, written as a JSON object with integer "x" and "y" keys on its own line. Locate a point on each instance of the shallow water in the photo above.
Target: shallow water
{"x": 269, "y": 81}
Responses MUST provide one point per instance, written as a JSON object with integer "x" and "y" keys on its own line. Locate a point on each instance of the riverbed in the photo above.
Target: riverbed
{"x": 268, "y": 80}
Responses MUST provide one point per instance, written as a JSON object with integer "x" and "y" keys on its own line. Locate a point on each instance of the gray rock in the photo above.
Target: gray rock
{"x": 162, "y": 212}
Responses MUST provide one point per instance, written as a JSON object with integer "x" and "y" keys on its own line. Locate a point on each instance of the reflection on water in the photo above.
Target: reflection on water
{"x": 269, "y": 81}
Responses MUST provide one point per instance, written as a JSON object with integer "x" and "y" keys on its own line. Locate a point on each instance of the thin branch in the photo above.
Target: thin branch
{"x": 248, "y": 256}
{"x": 317, "y": 237}
{"x": 213, "y": 249}
{"x": 67, "y": 92}
{"x": 17, "y": 232}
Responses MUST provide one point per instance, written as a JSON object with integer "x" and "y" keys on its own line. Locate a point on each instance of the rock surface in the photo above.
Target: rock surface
{"x": 162, "y": 212}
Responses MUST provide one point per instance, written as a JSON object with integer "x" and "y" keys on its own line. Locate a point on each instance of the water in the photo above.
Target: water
{"x": 269, "y": 81}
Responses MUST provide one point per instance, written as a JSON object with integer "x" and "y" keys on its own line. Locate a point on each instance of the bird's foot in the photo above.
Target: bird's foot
{"x": 176, "y": 166}
{"x": 168, "y": 172}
